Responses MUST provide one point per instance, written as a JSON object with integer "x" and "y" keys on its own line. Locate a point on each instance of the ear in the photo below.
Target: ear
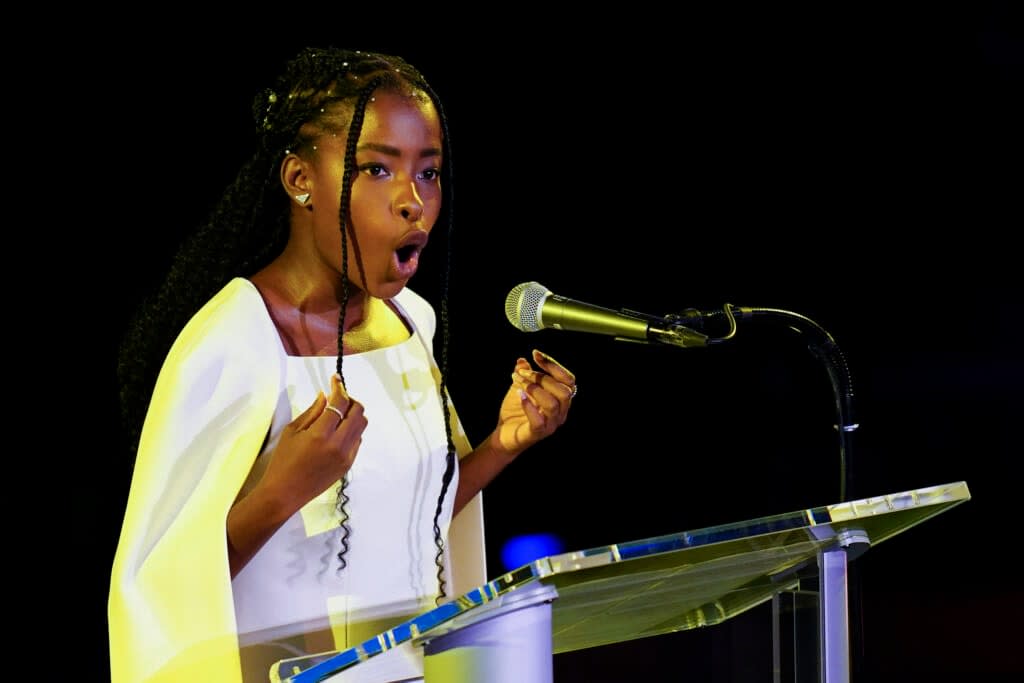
{"x": 296, "y": 179}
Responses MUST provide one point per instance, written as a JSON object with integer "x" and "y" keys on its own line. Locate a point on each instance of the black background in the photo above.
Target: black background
{"x": 859, "y": 166}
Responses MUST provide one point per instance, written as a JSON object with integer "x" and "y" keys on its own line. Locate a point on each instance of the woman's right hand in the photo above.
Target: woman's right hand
{"x": 317, "y": 448}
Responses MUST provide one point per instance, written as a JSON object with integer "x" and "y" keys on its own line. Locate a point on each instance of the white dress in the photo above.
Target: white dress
{"x": 295, "y": 585}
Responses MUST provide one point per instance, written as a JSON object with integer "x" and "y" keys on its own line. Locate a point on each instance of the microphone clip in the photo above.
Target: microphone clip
{"x": 670, "y": 331}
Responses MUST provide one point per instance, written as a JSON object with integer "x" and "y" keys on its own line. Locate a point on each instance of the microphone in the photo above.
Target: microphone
{"x": 531, "y": 306}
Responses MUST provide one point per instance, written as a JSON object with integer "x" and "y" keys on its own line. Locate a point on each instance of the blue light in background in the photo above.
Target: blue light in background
{"x": 520, "y": 550}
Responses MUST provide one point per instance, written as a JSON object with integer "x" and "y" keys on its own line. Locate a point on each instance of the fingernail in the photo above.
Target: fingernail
{"x": 543, "y": 355}
{"x": 524, "y": 373}
{"x": 522, "y": 395}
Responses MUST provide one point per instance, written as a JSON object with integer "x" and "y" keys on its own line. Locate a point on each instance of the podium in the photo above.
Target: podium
{"x": 509, "y": 628}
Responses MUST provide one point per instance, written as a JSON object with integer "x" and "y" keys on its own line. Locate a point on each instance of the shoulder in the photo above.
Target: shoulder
{"x": 236, "y": 310}
{"x": 237, "y": 302}
{"x": 418, "y": 311}
{"x": 233, "y": 323}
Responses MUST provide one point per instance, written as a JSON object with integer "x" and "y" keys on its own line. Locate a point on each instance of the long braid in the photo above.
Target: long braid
{"x": 355, "y": 128}
{"x": 451, "y": 456}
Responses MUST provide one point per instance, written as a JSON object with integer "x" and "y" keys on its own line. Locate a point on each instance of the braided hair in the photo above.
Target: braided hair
{"x": 248, "y": 227}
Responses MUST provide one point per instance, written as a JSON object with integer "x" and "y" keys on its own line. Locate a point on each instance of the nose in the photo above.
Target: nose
{"x": 408, "y": 204}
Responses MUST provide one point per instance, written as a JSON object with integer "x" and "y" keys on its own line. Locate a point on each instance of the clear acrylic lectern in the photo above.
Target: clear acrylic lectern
{"x": 508, "y": 629}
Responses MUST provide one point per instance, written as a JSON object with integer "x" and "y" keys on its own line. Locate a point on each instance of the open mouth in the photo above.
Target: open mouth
{"x": 411, "y": 246}
{"x": 408, "y": 252}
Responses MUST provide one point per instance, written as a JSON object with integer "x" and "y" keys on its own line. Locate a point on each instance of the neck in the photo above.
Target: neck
{"x": 380, "y": 327}
{"x": 305, "y": 309}
{"x": 311, "y": 291}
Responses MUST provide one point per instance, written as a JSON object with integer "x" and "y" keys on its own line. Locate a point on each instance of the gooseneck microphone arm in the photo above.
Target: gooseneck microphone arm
{"x": 531, "y": 306}
{"x": 822, "y": 346}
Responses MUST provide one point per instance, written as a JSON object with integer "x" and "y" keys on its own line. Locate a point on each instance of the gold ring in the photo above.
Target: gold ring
{"x": 337, "y": 410}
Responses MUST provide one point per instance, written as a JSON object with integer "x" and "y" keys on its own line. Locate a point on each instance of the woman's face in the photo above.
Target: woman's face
{"x": 396, "y": 195}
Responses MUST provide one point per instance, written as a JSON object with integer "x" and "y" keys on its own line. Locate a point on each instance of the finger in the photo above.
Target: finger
{"x": 356, "y": 413}
{"x": 533, "y": 414}
{"x": 337, "y": 411}
{"x": 555, "y": 391}
{"x": 543, "y": 395}
{"x": 309, "y": 415}
{"x": 351, "y": 428}
{"x": 338, "y": 404}
{"x": 565, "y": 389}
{"x": 554, "y": 368}
{"x": 339, "y": 397}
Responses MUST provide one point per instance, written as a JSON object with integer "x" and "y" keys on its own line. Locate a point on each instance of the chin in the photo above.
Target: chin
{"x": 388, "y": 290}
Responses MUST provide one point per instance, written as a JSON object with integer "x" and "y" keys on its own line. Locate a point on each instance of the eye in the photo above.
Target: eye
{"x": 431, "y": 174}
{"x": 375, "y": 170}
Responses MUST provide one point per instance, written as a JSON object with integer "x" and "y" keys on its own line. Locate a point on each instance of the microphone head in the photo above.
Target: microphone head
{"x": 523, "y": 304}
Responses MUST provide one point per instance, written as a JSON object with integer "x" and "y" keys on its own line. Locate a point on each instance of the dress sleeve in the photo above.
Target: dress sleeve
{"x": 170, "y": 609}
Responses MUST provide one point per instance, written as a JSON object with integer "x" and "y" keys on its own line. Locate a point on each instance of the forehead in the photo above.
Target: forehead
{"x": 407, "y": 120}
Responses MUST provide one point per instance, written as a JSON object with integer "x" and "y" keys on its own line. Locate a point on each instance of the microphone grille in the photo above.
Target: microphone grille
{"x": 522, "y": 305}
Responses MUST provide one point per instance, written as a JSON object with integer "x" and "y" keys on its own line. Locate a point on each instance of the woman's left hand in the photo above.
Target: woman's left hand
{"x": 536, "y": 404}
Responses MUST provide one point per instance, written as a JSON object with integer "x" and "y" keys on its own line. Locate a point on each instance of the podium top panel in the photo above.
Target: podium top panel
{"x": 665, "y": 583}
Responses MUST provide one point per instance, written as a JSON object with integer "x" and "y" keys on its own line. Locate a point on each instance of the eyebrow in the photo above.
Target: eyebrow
{"x": 395, "y": 152}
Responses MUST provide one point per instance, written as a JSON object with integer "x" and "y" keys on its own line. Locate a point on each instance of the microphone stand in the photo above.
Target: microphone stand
{"x": 686, "y": 330}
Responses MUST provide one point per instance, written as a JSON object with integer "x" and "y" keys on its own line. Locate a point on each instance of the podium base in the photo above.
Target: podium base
{"x": 508, "y": 642}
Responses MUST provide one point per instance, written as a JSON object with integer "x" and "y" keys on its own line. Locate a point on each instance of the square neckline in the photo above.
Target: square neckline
{"x": 398, "y": 307}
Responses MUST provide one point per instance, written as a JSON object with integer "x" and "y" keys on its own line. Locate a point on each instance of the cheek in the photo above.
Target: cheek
{"x": 325, "y": 228}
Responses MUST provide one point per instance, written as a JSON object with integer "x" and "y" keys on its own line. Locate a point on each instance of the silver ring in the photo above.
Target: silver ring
{"x": 337, "y": 410}
{"x": 573, "y": 394}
